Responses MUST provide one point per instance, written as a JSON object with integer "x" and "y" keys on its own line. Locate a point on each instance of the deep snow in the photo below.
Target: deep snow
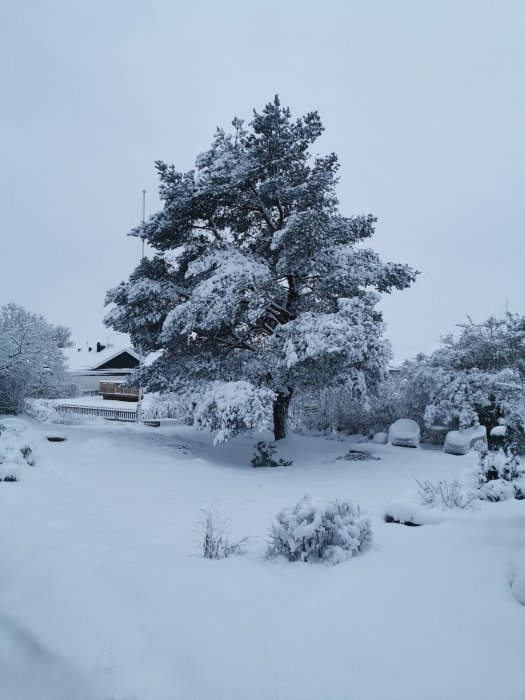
{"x": 102, "y": 594}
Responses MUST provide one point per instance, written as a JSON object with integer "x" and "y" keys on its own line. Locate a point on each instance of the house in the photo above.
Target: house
{"x": 103, "y": 370}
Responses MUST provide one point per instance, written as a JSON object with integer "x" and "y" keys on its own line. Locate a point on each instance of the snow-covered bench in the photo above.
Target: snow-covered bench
{"x": 459, "y": 442}
{"x": 404, "y": 433}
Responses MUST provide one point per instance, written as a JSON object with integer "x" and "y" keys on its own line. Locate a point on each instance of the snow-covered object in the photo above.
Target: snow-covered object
{"x": 380, "y": 438}
{"x": 232, "y": 407}
{"x": 496, "y": 490}
{"x": 499, "y": 465}
{"x": 404, "y": 433}
{"x": 17, "y": 442}
{"x": 459, "y": 442}
{"x": 320, "y": 530}
{"x": 498, "y": 431}
{"x": 407, "y": 512}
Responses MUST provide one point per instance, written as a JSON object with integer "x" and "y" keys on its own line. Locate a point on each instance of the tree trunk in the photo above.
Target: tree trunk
{"x": 280, "y": 414}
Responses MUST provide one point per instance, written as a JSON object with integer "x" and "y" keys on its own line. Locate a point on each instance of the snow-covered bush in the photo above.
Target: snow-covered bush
{"x": 229, "y": 408}
{"x": 499, "y": 465}
{"x": 265, "y": 456}
{"x": 160, "y": 406}
{"x": 500, "y": 476}
{"x": 341, "y": 410}
{"x": 41, "y": 410}
{"x": 477, "y": 378}
{"x": 213, "y": 539}
{"x": 498, "y": 490}
{"x": 16, "y": 449}
{"x": 45, "y": 411}
{"x": 444, "y": 495}
{"x": 320, "y": 530}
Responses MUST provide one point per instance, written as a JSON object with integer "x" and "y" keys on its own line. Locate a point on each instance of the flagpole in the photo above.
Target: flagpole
{"x": 139, "y": 403}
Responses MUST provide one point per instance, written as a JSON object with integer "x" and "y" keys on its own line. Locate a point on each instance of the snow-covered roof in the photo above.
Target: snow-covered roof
{"x": 82, "y": 359}
{"x": 150, "y": 359}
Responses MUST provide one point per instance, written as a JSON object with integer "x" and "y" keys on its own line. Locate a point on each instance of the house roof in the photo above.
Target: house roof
{"x": 81, "y": 360}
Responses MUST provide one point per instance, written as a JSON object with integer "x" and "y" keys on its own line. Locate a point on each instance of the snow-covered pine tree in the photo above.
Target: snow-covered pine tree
{"x": 258, "y": 287}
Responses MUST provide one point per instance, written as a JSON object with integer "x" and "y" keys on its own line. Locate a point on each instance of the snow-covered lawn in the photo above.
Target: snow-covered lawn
{"x": 102, "y": 594}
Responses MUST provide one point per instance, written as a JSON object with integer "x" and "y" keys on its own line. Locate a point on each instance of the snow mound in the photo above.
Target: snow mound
{"x": 406, "y": 512}
{"x": 404, "y": 433}
{"x": 459, "y": 442}
{"x": 380, "y": 438}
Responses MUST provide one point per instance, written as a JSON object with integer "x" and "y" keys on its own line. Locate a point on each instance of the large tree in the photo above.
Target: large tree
{"x": 257, "y": 280}
{"x": 31, "y": 361}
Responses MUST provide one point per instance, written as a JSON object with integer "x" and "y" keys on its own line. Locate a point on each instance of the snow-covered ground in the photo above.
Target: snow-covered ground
{"x": 102, "y": 594}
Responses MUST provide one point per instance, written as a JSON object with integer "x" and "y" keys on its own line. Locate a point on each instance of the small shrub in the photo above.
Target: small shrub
{"x": 499, "y": 465}
{"x": 444, "y": 495}
{"x": 320, "y": 530}
{"x": 358, "y": 456}
{"x": 213, "y": 541}
{"x": 10, "y": 478}
{"x": 499, "y": 475}
{"x": 519, "y": 492}
{"x": 14, "y": 448}
{"x": 265, "y": 456}
{"x": 27, "y": 454}
{"x": 497, "y": 490}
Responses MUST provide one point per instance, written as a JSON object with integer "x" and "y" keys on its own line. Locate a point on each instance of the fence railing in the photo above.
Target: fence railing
{"x": 128, "y": 414}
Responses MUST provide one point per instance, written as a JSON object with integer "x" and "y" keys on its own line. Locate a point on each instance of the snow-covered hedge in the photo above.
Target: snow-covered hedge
{"x": 320, "y": 530}
{"x": 45, "y": 411}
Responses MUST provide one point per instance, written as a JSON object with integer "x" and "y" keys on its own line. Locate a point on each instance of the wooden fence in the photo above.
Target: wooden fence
{"x": 127, "y": 414}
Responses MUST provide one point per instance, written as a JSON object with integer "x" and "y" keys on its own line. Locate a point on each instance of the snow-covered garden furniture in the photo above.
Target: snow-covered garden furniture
{"x": 380, "y": 438}
{"x": 459, "y": 442}
{"x": 404, "y": 433}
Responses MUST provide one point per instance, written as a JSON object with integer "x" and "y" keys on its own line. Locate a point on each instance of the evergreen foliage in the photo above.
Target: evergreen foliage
{"x": 265, "y": 456}
{"x": 257, "y": 277}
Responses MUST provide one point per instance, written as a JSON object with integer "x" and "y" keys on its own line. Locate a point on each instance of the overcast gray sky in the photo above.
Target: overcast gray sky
{"x": 424, "y": 102}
